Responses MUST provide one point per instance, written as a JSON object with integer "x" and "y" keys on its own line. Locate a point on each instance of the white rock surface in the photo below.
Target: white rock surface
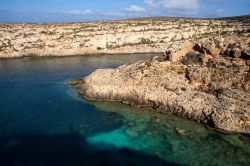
{"x": 128, "y": 36}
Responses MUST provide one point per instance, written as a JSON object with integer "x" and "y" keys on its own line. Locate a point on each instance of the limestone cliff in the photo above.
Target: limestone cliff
{"x": 127, "y": 36}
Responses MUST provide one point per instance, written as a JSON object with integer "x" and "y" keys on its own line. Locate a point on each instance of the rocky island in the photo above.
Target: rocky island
{"x": 206, "y": 80}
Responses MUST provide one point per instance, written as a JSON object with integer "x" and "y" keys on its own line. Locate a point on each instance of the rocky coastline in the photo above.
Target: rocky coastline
{"x": 145, "y": 35}
{"x": 204, "y": 74}
{"x": 207, "y": 81}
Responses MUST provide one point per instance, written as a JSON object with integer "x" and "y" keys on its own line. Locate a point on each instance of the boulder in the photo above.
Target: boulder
{"x": 181, "y": 52}
{"x": 192, "y": 58}
{"x": 219, "y": 42}
{"x": 155, "y": 119}
{"x": 180, "y": 132}
{"x": 209, "y": 48}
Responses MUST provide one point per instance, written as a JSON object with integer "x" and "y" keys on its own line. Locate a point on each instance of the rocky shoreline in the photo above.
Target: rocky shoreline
{"x": 111, "y": 37}
{"x": 204, "y": 74}
{"x": 207, "y": 81}
{"x": 77, "y": 55}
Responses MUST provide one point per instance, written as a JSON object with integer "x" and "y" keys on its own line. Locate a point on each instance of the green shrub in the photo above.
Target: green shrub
{"x": 99, "y": 48}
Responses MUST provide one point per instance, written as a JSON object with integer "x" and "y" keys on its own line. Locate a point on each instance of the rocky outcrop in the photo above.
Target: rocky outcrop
{"x": 208, "y": 82}
{"x": 127, "y": 36}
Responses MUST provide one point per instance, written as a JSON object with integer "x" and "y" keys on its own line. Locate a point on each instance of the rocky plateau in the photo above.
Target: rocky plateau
{"x": 144, "y": 35}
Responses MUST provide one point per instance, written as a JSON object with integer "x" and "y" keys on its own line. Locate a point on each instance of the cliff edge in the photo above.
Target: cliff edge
{"x": 125, "y": 36}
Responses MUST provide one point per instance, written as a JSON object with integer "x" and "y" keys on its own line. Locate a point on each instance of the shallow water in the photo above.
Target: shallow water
{"x": 43, "y": 121}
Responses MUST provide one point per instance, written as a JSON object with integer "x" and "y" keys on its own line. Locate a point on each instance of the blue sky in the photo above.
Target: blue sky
{"x": 89, "y": 10}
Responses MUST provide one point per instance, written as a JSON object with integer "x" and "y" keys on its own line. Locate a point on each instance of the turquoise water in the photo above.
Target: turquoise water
{"x": 43, "y": 121}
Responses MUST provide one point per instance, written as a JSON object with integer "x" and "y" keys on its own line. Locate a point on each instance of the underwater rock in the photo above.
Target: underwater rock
{"x": 180, "y": 132}
{"x": 75, "y": 82}
{"x": 168, "y": 125}
{"x": 155, "y": 119}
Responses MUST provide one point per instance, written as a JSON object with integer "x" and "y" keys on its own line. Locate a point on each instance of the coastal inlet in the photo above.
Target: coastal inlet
{"x": 44, "y": 121}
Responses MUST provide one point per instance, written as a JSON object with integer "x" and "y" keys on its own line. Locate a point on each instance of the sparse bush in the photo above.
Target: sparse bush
{"x": 146, "y": 41}
{"x": 183, "y": 89}
{"x": 99, "y": 48}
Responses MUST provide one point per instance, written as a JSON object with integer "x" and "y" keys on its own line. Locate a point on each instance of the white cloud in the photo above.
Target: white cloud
{"x": 217, "y": 0}
{"x": 75, "y": 12}
{"x": 149, "y": 8}
{"x": 86, "y": 12}
{"x": 151, "y": 3}
{"x": 185, "y": 7}
{"x": 111, "y": 14}
{"x": 135, "y": 9}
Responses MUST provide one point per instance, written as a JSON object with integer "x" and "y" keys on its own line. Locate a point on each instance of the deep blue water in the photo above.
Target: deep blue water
{"x": 43, "y": 121}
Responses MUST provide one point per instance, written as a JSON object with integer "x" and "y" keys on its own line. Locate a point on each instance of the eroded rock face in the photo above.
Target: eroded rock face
{"x": 128, "y": 36}
{"x": 212, "y": 89}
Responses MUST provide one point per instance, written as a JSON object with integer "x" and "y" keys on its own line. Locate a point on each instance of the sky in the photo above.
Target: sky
{"x": 92, "y": 10}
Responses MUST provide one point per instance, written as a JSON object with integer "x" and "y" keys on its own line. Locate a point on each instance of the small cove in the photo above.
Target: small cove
{"x": 44, "y": 121}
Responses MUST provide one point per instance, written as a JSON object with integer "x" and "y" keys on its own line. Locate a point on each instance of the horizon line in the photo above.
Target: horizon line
{"x": 126, "y": 19}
